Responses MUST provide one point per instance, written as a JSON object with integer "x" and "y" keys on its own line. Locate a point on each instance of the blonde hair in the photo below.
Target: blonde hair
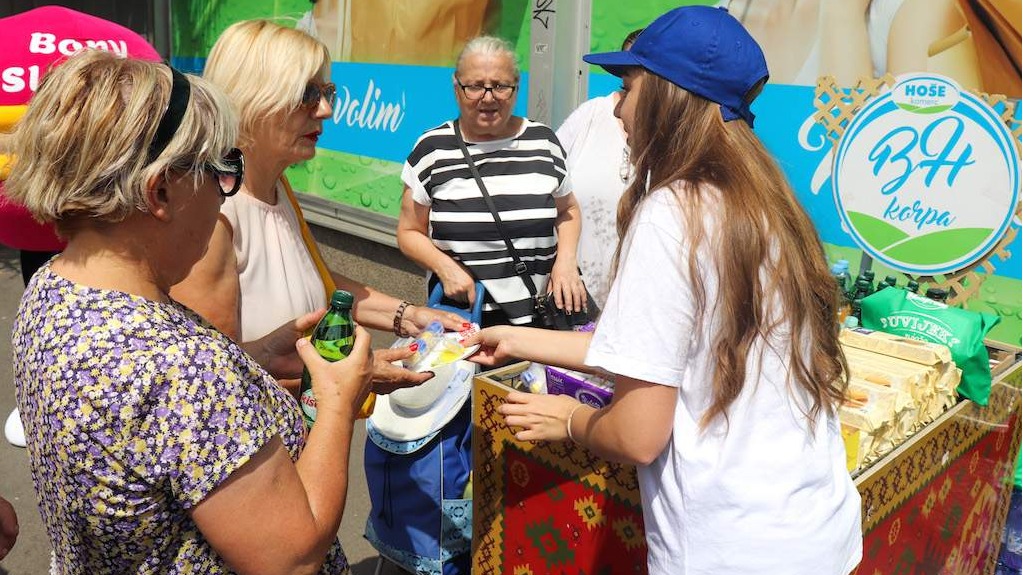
{"x": 264, "y": 68}
{"x": 488, "y": 46}
{"x": 682, "y": 142}
{"x": 82, "y": 146}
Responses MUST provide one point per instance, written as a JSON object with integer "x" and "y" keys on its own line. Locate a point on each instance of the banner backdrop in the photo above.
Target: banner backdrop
{"x": 394, "y": 61}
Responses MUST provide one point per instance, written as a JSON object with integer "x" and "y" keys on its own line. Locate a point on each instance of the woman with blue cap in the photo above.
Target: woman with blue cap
{"x": 719, "y": 326}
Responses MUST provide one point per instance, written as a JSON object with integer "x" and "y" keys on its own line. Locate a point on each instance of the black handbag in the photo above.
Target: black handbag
{"x": 545, "y": 312}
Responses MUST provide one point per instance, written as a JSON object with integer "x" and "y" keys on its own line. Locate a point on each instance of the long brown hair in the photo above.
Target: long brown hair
{"x": 764, "y": 247}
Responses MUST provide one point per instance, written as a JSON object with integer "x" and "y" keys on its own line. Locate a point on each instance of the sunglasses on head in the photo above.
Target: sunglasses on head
{"x": 314, "y": 92}
{"x": 229, "y": 178}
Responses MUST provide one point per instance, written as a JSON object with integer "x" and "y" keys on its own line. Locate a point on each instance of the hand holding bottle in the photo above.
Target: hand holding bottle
{"x": 342, "y": 386}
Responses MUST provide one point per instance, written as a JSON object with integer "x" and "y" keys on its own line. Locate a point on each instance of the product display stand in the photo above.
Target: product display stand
{"x": 938, "y": 502}
{"x": 935, "y": 504}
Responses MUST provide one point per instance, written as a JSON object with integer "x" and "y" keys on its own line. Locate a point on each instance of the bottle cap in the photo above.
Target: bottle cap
{"x": 936, "y": 293}
{"x": 342, "y": 298}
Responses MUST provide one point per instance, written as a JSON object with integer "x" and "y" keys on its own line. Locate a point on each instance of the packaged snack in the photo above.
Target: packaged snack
{"x": 851, "y": 437}
{"x": 434, "y": 348}
{"x": 907, "y": 314}
{"x": 589, "y": 389}
{"x": 912, "y": 378}
{"x": 914, "y": 350}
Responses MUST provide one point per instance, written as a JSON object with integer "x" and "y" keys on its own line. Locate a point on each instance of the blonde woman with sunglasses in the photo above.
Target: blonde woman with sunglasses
{"x": 263, "y": 266}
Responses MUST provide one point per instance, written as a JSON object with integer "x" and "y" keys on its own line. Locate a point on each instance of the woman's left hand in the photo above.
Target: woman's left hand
{"x": 275, "y": 351}
{"x": 567, "y": 287}
{"x": 541, "y": 417}
{"x": 388, "y": 377}
{"x": 418, "y": 317}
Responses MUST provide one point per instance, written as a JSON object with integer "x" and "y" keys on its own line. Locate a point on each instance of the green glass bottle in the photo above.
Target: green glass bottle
{"x": 333, "y": 337}
{"x": 937, "y": 294}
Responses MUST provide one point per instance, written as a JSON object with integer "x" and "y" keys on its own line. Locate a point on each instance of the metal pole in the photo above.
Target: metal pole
{"x": 558, "y": 78}
{"x": 162, "y": 27}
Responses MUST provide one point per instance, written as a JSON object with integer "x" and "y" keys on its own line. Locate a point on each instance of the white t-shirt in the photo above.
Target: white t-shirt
{"x": 880, "y": 17}
{"x": 277, "y": 276}
{"x": 765, "y": 497}
{"x": 598, "y": 163}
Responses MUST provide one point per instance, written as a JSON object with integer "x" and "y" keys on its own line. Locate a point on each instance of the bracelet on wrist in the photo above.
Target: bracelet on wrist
{"x": 399, "y": 317}
{"x": 568, "y": 422}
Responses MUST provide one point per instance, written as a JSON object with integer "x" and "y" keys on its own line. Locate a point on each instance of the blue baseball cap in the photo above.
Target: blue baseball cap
{"x": 701, "y": 49}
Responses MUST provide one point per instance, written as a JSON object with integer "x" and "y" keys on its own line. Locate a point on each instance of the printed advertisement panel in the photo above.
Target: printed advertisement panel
{"x": 394, "y": 62}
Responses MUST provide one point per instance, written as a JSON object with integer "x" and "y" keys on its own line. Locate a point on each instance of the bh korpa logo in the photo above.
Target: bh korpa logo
{"x": 926, "y": 176}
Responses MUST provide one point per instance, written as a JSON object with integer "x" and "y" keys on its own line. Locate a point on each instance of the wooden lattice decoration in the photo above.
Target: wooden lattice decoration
{"x": 836, "y": 107}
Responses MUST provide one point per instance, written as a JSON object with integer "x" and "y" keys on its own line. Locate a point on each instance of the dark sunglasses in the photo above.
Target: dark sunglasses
{"x": 229, "y": 179}
{"x": 314, "y": 92}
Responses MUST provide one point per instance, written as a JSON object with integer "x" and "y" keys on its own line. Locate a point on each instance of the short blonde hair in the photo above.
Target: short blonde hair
{"x": 488, "y": 46}
{"x": 264, "y": 68}
{"x": 82, "y": 147}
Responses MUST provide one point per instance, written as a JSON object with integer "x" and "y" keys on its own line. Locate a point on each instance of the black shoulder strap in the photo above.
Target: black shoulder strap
{"x": 520, "y": 266}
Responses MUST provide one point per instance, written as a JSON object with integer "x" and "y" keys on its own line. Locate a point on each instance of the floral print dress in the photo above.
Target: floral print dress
{"x": 135, "y": 411}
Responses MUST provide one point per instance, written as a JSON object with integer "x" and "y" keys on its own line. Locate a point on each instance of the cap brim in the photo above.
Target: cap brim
{"x": 614, "y": 62}
{"x": 395, "y": 425}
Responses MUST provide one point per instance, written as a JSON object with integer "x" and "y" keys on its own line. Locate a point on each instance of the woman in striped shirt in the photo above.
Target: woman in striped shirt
{"x": 445, "y": 225}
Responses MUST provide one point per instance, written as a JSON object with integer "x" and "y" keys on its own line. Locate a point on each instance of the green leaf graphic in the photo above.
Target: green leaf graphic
{"x": 875, "y": 231}
{"x": 939, "y": 247}
{"x": 924, "y": 109}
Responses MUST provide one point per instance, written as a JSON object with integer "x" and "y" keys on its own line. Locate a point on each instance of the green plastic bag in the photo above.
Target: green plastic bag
{"x": 899, "y": 312}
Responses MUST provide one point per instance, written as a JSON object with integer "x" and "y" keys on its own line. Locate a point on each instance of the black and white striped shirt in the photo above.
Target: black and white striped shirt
{"x": 523, "y": 175}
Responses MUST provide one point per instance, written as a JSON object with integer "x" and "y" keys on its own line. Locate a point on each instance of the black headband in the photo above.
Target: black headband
{"x": 181, "y": 91}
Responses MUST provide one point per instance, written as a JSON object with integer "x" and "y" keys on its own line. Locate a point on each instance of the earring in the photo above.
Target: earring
{"x": 625, "y": 167}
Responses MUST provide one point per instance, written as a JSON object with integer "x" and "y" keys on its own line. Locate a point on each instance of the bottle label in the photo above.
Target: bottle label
{"x": 308, "y": 406}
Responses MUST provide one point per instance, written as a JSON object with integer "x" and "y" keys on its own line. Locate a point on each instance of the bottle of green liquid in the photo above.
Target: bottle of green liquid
{"x": 333, "y": 337}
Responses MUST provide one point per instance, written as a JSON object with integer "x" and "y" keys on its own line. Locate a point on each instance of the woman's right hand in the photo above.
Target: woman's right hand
{"x": 458, "y": 283}
{"x": 341, "y": 386}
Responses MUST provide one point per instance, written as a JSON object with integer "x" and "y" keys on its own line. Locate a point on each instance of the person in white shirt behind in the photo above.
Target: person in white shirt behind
{"x": 718, "y": 329}
{"x": 600, "y": 169}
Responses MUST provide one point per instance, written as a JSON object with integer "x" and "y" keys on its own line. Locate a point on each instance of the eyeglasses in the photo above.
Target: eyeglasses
{"x": 313, "y": 92}
{"x": 230, "y": 179}
{"x": 476, "y": 92}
